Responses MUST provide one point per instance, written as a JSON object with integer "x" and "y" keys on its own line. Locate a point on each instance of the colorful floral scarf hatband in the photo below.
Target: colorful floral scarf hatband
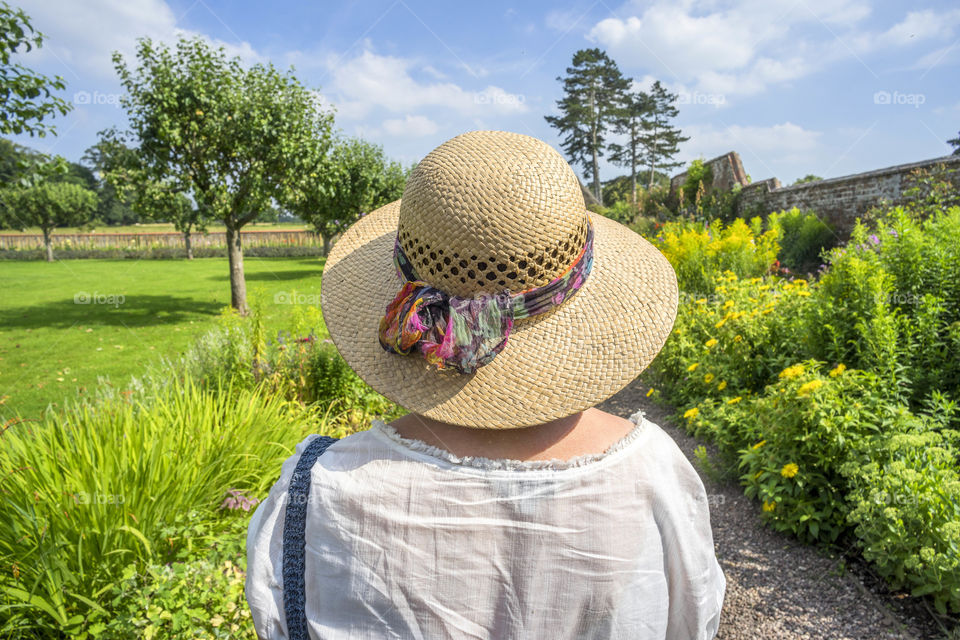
{"x": 466, "y": 333}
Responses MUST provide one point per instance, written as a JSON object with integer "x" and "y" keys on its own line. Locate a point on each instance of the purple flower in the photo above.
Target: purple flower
{"x": 238, "y": 500}
{"x": 874, "y": 239}
{"x": 893, "y": 232}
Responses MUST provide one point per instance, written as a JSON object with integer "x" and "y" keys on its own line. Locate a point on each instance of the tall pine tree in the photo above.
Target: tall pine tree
{"x": 660, "y": 139}
{"x": 630, "y": 121}
{"x": 594, "y": 91}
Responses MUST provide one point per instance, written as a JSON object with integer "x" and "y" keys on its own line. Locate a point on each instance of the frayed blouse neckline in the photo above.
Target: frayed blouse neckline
{"x": 505, "y": 464}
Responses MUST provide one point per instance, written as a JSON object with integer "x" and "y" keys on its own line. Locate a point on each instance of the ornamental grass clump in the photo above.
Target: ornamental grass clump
{"x": 90, "y": 492}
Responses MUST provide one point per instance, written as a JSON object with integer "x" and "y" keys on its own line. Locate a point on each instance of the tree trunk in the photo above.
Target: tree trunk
{"x": 326, "y": 245}
{"x": 238, "y": 286}
{"x": 593, "y": 148}
{"x": 633, "y": 165}
{"x": 653, "y": 159}
{"x": 186, "y": 242}
{"x": 48, "y": 243}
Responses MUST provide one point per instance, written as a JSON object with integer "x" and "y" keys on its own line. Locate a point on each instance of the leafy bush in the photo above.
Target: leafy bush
{"x": 734, "y": 340}
{"x": 905, "y": 493}
{"x": 199, "y": 594}
{"x": 92, "y": 491}
{"x": 803, "y": 237}
{"x": 700, "y": 254}
{"x": 828, "y": 451}
{"x": 890, "y": 301}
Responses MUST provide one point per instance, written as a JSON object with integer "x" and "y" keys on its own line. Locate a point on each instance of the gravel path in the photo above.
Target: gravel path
{"x": 776, "y": 586}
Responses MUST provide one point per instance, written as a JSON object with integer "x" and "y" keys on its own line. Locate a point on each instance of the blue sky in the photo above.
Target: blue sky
{"x": 829, "y": 87}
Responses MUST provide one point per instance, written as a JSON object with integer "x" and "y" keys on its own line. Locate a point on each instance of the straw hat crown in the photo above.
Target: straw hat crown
{"x": 492, "y": 210}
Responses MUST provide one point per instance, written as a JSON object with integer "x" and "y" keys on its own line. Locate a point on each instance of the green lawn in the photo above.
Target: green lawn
{"x": 53, "y": 345}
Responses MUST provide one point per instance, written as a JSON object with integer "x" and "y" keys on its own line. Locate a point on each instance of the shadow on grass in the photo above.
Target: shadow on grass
{"x": 132, "y": 311}
{"x": 273, "y": 276}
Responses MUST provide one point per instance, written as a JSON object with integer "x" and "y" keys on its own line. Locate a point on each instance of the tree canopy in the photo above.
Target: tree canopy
{"x": 594, "y": 92}
{"x": 356, "y": 179}
{"x": 235, "y": 140}
{"x": 26, "y": 97}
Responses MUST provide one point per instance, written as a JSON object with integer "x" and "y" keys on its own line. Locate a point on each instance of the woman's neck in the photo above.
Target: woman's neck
{"x": 589, "y": 432}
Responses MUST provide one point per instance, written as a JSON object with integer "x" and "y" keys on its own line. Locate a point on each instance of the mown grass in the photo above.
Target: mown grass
{"x": 53, "y": 346}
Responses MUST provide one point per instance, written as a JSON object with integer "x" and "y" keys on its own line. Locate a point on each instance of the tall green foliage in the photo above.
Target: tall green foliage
{"x": 94, "y": 491}
{"x": 594, "y": 91}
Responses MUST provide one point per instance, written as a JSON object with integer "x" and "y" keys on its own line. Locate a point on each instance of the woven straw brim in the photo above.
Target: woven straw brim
{"x": 553, "y": 365}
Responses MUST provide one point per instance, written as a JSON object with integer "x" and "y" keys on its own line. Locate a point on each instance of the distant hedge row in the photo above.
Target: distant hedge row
{"x": 160, "y": 253}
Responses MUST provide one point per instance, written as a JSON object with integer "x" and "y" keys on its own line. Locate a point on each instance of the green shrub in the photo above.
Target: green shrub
{"x": 92, "y": 491}
{"x": 803, "y": 237}
{"x": 701, "y": 253}
{"x": 905, "y": 493}
{"x": 199, "y": 594}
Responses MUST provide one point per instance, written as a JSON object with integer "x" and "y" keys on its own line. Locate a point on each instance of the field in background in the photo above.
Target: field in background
{"x": 64, "y": 323}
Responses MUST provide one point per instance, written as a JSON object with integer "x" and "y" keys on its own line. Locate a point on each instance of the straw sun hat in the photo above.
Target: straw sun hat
{"x": 489, "y": 296}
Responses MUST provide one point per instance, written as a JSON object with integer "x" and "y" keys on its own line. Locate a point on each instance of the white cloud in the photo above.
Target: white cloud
{"x": 741, "y": 48}
{"x": 786, "y": 141}
{"x": 565, "y": 20}
{"x": 921, "y": 25}
{"x": 410, "y": 126}
{"x": 370, "y": 80}
{"x": 82, "y": 36}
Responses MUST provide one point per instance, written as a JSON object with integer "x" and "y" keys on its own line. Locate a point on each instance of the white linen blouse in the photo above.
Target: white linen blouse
{"x": 406, "y": 540}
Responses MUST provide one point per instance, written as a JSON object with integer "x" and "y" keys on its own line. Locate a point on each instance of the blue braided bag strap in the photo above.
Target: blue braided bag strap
{"x": 294, "y": 540}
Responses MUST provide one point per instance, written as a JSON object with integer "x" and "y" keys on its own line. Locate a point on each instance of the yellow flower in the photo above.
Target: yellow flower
{"x": 737, "y": 338}
{"x": 728, "y": 304}
{"x": 650, "y": 392}
{"x": 693, "y": 367}
{"x": 766, "y": 311}
{"x": 792, "y": 372}
{"x": 712, "y": 342}
{"x": 690, "y": 414}
{"x": 759, "y": 444}
{"x": 702, "y": 301}
{"x": 734, "y": 400}
{"x": 721, "y": 323}
{"x": 840, "y": 368}
{"x": 813, "y": 385}
{"x": 768, "y": 506}
{"x": 803, "y": 293}
{"x": 722, "y": 385}
{"x": 708, "y": 378}
{"x": 789, "y": 470}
